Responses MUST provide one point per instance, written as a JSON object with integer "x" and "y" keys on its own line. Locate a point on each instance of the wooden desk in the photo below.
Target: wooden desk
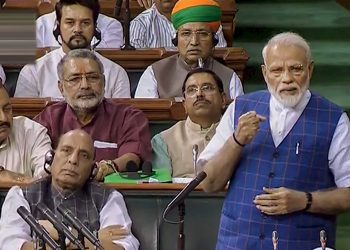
{"x": 146, "y": 203}
{"x": 154, "y": 109}
{"x": 234, "y": 58}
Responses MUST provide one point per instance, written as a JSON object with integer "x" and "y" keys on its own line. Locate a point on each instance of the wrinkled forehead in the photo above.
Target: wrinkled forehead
{"x": 76, "y": 12}
{"x": 279, "y": 53}
{"x": 199, "y": 79}
{"x": 78, "y": 65}
{"x": 77, "y": 139}
{"x": 195, "y": 26}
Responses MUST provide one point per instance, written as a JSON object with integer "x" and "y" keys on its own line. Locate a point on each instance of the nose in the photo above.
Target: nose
{"x": 74, "y": 158}
{"x": 194, "y": 39}
{"x": 3, "y": 116}
{"x": 287, "y": 76}
{"x": 84, "y": 84}
{"x": 77, "y": 27}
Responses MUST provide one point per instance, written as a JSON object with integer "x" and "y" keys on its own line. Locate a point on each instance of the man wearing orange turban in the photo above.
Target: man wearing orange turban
{"x": 196, "y": 22}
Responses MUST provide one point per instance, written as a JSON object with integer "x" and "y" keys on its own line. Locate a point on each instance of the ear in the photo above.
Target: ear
{"x": 60, "y": 86}
{"x": 263, "y": 70}
{"x": 311, "y": 68}
{"x": 184, "y": 105}
{"x": 224, "y": 100}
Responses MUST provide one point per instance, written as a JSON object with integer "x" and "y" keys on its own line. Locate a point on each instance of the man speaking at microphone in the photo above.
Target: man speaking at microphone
{"x": 286, "y": 153}
{"x": 69, "y": 185}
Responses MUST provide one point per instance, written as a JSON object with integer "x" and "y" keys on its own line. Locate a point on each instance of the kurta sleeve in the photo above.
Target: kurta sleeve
{"x": 14, "y": 231}
{"x": 114, "y": 212}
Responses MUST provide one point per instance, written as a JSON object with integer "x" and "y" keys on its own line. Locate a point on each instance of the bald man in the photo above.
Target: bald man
{"x": 70, "y": 183}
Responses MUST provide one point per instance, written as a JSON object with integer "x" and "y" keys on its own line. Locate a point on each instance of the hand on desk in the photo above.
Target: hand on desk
{"x": 277, "y": 201}
{"x": 9, "y": 176}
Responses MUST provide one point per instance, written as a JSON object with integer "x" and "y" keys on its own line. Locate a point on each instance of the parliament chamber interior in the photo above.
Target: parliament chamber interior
{"x": 247, "y": 25}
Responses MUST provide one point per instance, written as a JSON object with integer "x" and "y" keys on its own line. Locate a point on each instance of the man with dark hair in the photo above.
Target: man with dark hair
{"x": 120, "y": 132}
{"x": 69, "y": 185}
{"x": 75, "y": 27}
{"x": 204, "y": 102}
{"x": 23, "y": 144}
{"x": 111, "y": 31}
{"x": 196, "y": 22}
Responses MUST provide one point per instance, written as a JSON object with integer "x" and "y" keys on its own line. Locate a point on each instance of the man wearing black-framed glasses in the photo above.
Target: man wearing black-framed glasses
{"x": 204, "y": 102}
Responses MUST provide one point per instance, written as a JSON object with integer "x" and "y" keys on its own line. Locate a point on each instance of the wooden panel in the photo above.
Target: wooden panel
{"x": 154, "y": 109}
{"x": 234, "y": 58}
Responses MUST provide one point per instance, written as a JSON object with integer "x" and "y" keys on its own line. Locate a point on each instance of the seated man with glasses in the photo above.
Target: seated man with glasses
{"x": 204, "y": 102}
{"x": 196, "y": 22}
{"x": 120, "y": 132}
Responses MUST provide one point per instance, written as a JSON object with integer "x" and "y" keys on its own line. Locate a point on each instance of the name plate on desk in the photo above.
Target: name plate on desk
{"x": 159, "y": 176}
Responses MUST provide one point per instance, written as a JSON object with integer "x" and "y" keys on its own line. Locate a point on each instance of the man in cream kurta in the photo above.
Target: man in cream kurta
{"x": 204, "y": 102}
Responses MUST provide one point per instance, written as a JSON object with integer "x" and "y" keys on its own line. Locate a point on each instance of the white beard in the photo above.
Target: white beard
{"x": 289, "y": 101}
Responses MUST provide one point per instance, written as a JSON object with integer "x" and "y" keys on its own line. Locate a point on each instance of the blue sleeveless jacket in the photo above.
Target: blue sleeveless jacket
{"x": 300, "y": 162}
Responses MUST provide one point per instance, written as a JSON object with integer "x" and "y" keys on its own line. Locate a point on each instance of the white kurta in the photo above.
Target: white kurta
{"x": 41, "y": 79}
{"x": 282, "y": 120}
{"x": 24, "y": 150}
{"x": 2, "y": 74}
{"x": 14, "y": 231}
{"x": 111, "y": 32}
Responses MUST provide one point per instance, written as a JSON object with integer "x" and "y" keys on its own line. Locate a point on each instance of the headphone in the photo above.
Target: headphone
{"x": 215, "y": 39}
{"x": 49, "y": 159}
{"x": 133, "y": 173}
{"x": 97, "y": 33}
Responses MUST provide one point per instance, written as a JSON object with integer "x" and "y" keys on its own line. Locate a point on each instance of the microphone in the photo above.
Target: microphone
{"x": 274, "y": 239}
{"x": 117, "y": 8}
{"x": 184, "y": 192}
{"x": 323, "y": 239}
{"x": 79, "y": 226}
{"x": 61, "y": 228}
{"x": 200, "y": 63}
{"x": 37, "y": 228}
{"x": 195, "y": 155}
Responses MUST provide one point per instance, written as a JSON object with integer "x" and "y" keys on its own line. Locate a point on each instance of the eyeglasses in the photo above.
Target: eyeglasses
{"x": 295, "y": 70}
{"x": 92, "y": 78}
{"x": 207, "y": 89}
{"x": 201, "y": 34}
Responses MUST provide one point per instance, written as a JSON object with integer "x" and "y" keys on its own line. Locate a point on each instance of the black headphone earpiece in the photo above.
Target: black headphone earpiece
{"x": 97, "y": 33}
{"x": 49, "y": 159}
{"x": 215, "y": 38}
{"x": 133, "y": 173}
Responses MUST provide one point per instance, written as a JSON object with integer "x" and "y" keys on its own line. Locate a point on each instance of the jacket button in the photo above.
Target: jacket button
{"x": 275, "y": 154}
{"x": 271, "y": 174}
{"x": 262, "y": 236}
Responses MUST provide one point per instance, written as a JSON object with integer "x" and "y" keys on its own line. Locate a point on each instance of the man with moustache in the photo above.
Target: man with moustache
{"x": 286, "y": 153}
{"x": 120, "y": 132}
{"x": 75, "y": 27}
{"x": 23, "y": 144}
{"x": 69, "y": 185}
{"x": 204, "y": 102}
{"x": 196, "y": 22}
{"x": 153, "y": 29}
{"x": 111, "y": 31}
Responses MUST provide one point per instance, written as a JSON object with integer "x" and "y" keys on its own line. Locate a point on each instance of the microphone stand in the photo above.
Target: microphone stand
{"x": 181, "y": 236}
{"x": 127, "y": 45}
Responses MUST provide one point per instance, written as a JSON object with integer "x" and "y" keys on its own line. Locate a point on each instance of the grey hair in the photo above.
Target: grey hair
{"x": 78, "y": 53}
{"x": 288, "y": 38}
